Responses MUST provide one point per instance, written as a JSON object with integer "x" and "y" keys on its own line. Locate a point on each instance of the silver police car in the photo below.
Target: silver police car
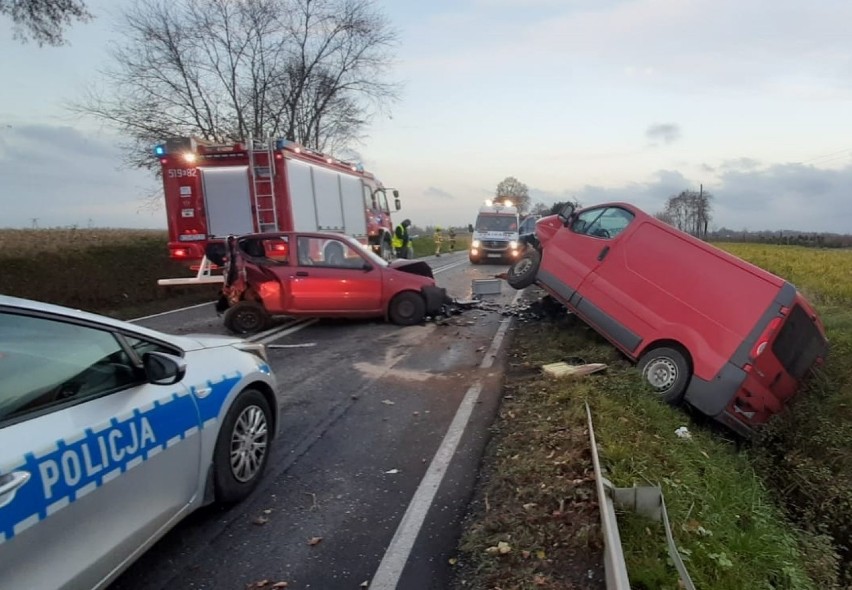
{"x": 111, "y": 433}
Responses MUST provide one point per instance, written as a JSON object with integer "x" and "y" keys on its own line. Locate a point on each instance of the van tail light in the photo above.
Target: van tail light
{"x": 764, "y": 339}
{"x": 179, "y": 253}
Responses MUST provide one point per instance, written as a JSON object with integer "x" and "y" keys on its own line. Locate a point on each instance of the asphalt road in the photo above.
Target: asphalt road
{"x": 382, "y": 429}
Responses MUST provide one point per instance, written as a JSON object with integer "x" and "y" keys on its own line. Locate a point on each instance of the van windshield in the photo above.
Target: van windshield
{"x": 496, "y": 223}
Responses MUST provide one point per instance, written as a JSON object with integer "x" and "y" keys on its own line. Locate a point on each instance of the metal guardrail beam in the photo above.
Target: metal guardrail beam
{"x": 647, "y": 501}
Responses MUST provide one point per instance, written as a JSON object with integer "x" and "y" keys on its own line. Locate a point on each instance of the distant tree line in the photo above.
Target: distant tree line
{"x": 783, "y": 237}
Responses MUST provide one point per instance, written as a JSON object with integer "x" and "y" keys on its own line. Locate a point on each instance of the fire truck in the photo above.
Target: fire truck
{"x": 216, "y": 190}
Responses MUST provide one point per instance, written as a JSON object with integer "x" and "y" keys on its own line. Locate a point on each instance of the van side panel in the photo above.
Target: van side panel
{"x": 683, "y": 281}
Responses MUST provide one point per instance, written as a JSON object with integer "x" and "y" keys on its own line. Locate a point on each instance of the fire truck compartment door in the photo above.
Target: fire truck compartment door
{"x": 323, "y": 199}
{"x": 228, "y": 200}
{"x": 352, "y": 194}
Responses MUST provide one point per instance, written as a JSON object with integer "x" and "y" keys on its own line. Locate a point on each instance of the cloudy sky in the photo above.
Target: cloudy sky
{"x": 597, "y": 100}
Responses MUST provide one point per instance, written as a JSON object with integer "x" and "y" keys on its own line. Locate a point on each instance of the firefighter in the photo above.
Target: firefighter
{"x": 451, "y": 233}
{"x": 439, "y": 237}
{"x": 401, "y": 241}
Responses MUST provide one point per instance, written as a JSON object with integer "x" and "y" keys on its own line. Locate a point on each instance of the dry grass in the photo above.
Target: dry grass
{"x": 26, "y": 242}
{"x": 110, "y": 271}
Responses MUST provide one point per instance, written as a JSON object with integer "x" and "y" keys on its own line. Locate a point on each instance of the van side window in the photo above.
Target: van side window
{"x": 602, "y": 223}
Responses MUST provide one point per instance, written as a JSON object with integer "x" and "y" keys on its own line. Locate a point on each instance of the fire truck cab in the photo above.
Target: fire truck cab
{"x": 216, "y": 190}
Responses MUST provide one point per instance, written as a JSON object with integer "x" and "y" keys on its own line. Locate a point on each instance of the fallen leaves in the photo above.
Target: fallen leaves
{"x": 501, "y": 548}
{"x": 313, "y": 541}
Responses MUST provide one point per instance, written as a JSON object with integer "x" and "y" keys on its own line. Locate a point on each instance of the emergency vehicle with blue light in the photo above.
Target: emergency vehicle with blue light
{"x": 495, "y": 234}
{"x": 216, "y": 190}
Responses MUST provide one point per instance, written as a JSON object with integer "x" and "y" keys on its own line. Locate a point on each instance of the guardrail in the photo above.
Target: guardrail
{"x": 647, "y": 501}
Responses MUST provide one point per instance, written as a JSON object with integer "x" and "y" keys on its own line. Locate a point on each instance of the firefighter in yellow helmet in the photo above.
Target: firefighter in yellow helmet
{"x": 439, "y": 238}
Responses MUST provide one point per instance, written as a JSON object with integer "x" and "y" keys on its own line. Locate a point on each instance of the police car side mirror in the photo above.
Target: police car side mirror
{"x": 162, "y": 368}
{"x": 470, "y": 227}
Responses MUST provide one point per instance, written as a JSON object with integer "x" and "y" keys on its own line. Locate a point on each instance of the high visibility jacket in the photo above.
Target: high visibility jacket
{"x": 398, "y": 236}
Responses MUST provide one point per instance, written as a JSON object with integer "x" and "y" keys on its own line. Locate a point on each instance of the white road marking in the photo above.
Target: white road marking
{"x": 265, "y": 337}
{"x": 305, "y": 345}
{"x": 397, "y": 554}
{"x": 448, "y": 266}
{"x": 157, "y": 315}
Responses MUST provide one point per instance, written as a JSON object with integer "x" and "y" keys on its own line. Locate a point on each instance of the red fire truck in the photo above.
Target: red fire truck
{"x": 213, "y": 191}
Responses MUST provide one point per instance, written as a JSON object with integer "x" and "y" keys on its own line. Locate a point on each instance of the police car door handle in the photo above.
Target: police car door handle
{"x": 11, "y": 482}
{"x": 603, "y": 253}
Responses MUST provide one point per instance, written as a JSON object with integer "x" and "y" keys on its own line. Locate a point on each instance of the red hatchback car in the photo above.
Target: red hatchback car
{"x": 319, "y": 275}
{"x": 707, "y": 328}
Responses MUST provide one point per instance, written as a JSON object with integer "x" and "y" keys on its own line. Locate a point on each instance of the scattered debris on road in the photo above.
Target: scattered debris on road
{"x": 563, "y": 369}
{"x": 313, "y": 541}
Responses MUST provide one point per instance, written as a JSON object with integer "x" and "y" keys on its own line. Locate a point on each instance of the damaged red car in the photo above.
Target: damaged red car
{"x": 318, "y": 275}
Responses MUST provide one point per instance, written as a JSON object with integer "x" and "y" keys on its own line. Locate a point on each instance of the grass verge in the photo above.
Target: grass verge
{"x": 729, "y": 528}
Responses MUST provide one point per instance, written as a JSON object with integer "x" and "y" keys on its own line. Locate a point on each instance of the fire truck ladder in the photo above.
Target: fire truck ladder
{"x": 263, "y": 185}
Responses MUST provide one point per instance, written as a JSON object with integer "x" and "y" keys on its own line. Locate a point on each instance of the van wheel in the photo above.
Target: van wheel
{"x": 246, "y": 317}
{"x": 666, "y": 372}
{"x": 522, "y": 274}
{"x": 407, "y": 309}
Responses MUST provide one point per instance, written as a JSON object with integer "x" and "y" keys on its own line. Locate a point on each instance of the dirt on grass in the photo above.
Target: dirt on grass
{"x": 534, "y": 521}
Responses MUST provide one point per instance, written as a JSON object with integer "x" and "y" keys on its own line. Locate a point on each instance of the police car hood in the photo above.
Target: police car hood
{"x": 192, "y": 342}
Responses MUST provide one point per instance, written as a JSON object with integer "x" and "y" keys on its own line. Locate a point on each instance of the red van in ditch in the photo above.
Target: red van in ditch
{"x": 707, "y": 328}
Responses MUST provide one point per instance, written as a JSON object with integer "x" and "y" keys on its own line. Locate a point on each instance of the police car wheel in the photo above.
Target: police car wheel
{"x": 666, "y": 373}
{"x": 242, "y": 449}
{"x": 522, "y": 274}
{"x": 407, "y": 309}
{"x": 246, "y": 317}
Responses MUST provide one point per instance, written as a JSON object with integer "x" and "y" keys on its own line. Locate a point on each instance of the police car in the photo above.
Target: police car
{"x": 111, "y": 433}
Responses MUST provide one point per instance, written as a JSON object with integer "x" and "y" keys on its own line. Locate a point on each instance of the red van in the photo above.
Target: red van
{"x": 707, "y": 328}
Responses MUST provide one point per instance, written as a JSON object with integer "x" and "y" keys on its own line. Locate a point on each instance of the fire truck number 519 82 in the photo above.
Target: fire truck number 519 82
{"x": 213, "y": 191}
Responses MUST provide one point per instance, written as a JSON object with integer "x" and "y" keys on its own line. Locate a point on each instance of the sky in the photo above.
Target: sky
{"x": 594, "y": 100}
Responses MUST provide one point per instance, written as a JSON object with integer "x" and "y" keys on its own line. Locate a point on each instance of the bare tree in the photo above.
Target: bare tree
{"x": 514, "y": 190}
{"x": 689, "y": 211}
{"x": 44, "y": 21}
{"x": 313, "y": 71}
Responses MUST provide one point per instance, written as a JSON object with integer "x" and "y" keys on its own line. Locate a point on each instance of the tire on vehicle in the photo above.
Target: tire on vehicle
{"x": 666, "y": 372}
{"x": 246, "y": 317}
{"x": 407, "y": 309}
{"x": 522, "y": 274}
{"x": 242, "y": 448}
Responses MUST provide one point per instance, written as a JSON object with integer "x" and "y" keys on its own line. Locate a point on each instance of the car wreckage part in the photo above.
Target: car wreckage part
{"x": 523, "y": 273}
{"x": 667, "y": 372}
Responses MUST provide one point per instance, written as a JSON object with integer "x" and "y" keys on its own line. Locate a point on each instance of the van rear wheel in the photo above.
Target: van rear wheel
{"x": 666, "y": 371}
{"x": 522, "y": 274}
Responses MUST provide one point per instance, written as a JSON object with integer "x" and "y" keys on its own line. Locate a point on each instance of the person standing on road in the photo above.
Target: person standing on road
{"x": 439, "y": 237}
{"x": 451, "y": 233}
{"x": 401, "y": 240}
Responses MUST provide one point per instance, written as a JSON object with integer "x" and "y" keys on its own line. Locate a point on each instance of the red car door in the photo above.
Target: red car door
{"x": 332, "y": 277}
